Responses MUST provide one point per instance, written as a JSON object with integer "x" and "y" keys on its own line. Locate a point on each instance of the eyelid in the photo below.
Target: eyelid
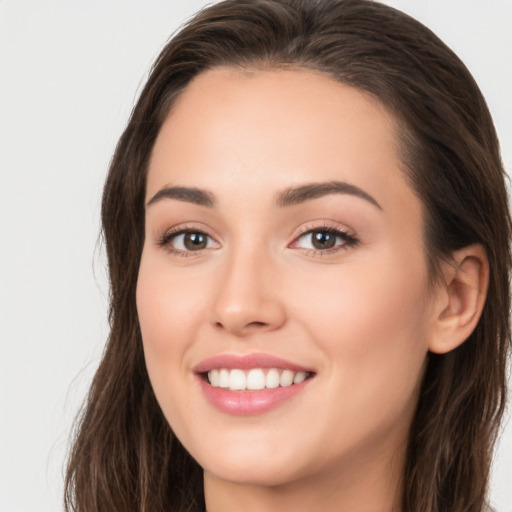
{"x": 340, "y": 231}
{"x": 349, "y": 238}
{"x": 172, "y": 233}
{"x": 323, "y": 225}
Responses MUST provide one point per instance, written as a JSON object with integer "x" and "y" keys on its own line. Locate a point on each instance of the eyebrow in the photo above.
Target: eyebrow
{"x": 288, "y": 197}
{"x": 187, "y": 194}
{"x": 302, "y": 193}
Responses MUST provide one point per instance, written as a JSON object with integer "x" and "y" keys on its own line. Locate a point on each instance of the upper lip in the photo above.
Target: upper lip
{"x": 248, "y": 361}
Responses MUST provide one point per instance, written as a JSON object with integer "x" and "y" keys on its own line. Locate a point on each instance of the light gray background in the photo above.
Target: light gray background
{"x": 69, "y": 73}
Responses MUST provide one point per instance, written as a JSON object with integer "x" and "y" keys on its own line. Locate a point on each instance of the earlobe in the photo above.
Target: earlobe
{"x": 460, "y": 301}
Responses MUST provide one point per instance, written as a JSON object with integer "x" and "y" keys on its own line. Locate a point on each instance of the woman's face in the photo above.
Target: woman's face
{"x": 283, "y": 242}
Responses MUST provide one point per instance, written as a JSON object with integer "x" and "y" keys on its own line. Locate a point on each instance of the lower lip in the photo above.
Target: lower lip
{"x": 246, "y": 403}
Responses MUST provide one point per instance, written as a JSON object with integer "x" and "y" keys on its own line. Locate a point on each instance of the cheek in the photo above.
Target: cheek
{"x": 168, "y": 310}
{"x": 167, "y": 307}
{"x": 372, "y": 327}
{"x": 372, "y": 320}
{"x": 387, "y": 295}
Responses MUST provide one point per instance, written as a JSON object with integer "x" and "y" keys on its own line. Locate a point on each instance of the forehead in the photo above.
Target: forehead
{"x": 274, "y": 129}
{"x": 309, "y": 101}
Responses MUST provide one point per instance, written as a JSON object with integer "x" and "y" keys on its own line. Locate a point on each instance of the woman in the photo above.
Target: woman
{"x": 308, "y": 240}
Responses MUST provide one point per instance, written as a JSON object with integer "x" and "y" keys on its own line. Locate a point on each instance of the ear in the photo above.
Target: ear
{"x": 459, "y": 298}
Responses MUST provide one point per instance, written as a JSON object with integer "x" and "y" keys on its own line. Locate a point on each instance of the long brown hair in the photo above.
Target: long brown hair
{"x": 125, "y": 456}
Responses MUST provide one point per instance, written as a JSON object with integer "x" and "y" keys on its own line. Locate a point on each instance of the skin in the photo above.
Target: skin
{"x": 363, "y": 315}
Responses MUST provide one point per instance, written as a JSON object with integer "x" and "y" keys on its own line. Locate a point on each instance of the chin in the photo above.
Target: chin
{"x": 256, "y": 465}
{"x": 256, "y": 474}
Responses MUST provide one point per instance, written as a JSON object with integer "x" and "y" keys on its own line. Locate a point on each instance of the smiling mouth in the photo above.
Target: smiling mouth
{"x": 251, "y": 384}
{"x": 255, "y": 379}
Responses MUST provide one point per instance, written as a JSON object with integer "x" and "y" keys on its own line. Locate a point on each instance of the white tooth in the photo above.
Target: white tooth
{"x": 213, "y": 377}
{"x": 299, "y": 377}
{"x": 255, "y": 379}
{"x": 272, "y": 379}
{"x": 223, "y": 378}
{"x": 237, "y": 380}
{"x": 286, "y": 378}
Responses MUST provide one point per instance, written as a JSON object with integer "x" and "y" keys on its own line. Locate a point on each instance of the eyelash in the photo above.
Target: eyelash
{"x": 172, "y": 234}
{"x": 348, "y": 240}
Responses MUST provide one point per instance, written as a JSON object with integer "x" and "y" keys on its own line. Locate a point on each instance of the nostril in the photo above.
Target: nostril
{"x": 220, "y": 325}
{"x": 256, "y": 324}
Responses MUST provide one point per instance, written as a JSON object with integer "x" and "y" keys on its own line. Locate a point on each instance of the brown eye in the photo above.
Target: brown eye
{"x": 187, "y": 241}
{"x": 194, "y": 241}
{"x": 323, "y": 239}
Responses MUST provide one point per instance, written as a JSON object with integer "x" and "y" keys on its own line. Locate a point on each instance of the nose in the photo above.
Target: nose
{"x": 248, "y": 299}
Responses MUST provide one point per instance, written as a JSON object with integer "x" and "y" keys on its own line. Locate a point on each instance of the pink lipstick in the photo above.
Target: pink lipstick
{"x": 250, "y": 384}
